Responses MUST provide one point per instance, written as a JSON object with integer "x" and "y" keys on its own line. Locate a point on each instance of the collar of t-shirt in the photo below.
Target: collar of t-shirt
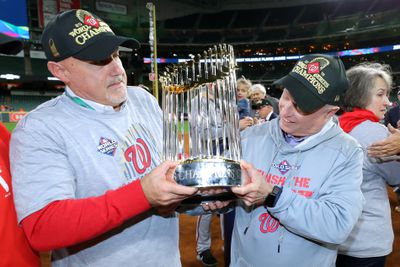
{"x": 89, "y": 104}
{"x": 268, "y": 116}
{"x": 297, "y": 142}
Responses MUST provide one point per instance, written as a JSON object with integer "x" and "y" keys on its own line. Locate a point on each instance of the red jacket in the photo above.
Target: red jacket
{"x": 14, "y": 247}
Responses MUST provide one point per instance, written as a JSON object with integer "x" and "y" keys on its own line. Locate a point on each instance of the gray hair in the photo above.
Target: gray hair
{"x": 361, "y": 82}
{"x": 257, "y": 87}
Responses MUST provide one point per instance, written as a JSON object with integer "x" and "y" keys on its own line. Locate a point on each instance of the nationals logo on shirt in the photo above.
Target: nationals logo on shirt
{"x": 139, "y": 155}
{"x": 141, "y": 152}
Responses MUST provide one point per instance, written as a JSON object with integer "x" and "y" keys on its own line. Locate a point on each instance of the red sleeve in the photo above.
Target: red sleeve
{"x": 4, "y": 134}
{"x": 67, "y": 222}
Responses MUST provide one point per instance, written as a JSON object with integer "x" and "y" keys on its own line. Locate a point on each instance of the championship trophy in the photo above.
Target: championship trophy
{"x": 201, "y": 122}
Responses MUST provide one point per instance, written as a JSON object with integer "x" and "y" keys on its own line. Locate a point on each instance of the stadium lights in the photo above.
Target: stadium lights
{"x": 9, "y": 76}
{"x": 343, "y": 53}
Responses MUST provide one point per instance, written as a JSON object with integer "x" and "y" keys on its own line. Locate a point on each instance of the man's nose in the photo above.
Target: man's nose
{"x": 116, "y": 66}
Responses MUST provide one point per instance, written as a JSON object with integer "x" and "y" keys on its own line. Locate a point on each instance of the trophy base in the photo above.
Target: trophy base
{"x": 207, "y": 173}
{"x": 198, "y": 199}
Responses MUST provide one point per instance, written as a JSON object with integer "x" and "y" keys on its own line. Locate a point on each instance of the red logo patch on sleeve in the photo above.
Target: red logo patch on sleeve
{"x": 313, "y": 68}
{"x": 91, "y": 21}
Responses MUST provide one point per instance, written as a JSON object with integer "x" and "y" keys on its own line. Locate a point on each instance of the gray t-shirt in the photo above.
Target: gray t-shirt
{"x": 63, "y": 150}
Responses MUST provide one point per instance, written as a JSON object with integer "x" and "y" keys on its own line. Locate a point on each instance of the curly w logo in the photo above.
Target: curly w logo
{"x": 139, "y": 155}
{"x": 268, "y": 223}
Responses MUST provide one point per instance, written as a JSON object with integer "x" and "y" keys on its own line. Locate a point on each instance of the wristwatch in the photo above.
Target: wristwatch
{"x": 272, "y": 198}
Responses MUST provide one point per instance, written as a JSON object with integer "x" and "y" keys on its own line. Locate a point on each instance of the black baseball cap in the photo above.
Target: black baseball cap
{"x": 80, "y": 34}
{"x": 9, "y": 45}
{"x": 261, "y": 103}
{"x": 316, "y": 80}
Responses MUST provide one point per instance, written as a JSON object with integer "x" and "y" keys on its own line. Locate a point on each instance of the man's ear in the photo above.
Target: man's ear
{"x": 332, "y": 111}
{"x": 58, "y": 71}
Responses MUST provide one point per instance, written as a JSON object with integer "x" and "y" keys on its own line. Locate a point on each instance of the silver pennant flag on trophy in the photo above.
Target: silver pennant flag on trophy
{"x": 201, "y": 121}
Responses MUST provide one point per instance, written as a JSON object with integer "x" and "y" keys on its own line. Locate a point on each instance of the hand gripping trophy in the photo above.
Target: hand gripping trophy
{"x": 201, "y": 121}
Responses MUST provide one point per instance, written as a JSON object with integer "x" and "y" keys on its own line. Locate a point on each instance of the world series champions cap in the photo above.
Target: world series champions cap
{"x": 78, "y": 33}
{"x": 9, "y": 45}
{"x": 316, "y": 80}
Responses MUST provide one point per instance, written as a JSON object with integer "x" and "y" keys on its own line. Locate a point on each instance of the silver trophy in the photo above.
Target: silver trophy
{"x": 201, "y": 121}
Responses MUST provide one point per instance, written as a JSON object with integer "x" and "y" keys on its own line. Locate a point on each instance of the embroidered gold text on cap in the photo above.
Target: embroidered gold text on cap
{"x": 85, "y": 32}
{"x": 316, "y": 80}
{"x": 53, "y": 48}
{"x": 82, "y": 32}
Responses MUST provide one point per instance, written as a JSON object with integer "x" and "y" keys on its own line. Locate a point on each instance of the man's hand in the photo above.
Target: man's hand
{"x": 255, "y": 188}
{"x": 214, "y": 205}
{"x": 389, "y": 146}
{"x": 245, "y": 122}
{"x": 160, "y": 188}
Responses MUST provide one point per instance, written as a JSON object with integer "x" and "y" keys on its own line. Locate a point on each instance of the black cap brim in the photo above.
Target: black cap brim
{"x": 304, "y": 98}
{"x": 105, "y": 46}
{"x": 9, "y": 45}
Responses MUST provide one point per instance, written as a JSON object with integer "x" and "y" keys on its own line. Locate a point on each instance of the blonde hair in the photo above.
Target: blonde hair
{"x": 245, "y": 82}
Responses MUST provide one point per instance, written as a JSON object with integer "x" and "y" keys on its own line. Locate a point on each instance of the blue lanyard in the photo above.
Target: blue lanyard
{"x": 79, "y": 101}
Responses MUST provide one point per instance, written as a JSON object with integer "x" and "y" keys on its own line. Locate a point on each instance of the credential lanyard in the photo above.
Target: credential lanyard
{"x": 79, "y": 101}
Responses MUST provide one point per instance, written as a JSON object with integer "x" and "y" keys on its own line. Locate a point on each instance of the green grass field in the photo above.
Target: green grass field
{"x": 10, "y": 125}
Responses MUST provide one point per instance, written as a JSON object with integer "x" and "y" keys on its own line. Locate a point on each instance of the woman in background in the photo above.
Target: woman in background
{"x": 365, "y": 104}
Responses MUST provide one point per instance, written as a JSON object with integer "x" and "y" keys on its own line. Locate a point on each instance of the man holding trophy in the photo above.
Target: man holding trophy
{"x": 87, "y": 173}
{"x": 300, "y": 196}
{"x": 301, "y": 193}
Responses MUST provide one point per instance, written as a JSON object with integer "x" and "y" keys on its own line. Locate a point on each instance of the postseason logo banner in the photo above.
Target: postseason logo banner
{"x": 107, "y": 146}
